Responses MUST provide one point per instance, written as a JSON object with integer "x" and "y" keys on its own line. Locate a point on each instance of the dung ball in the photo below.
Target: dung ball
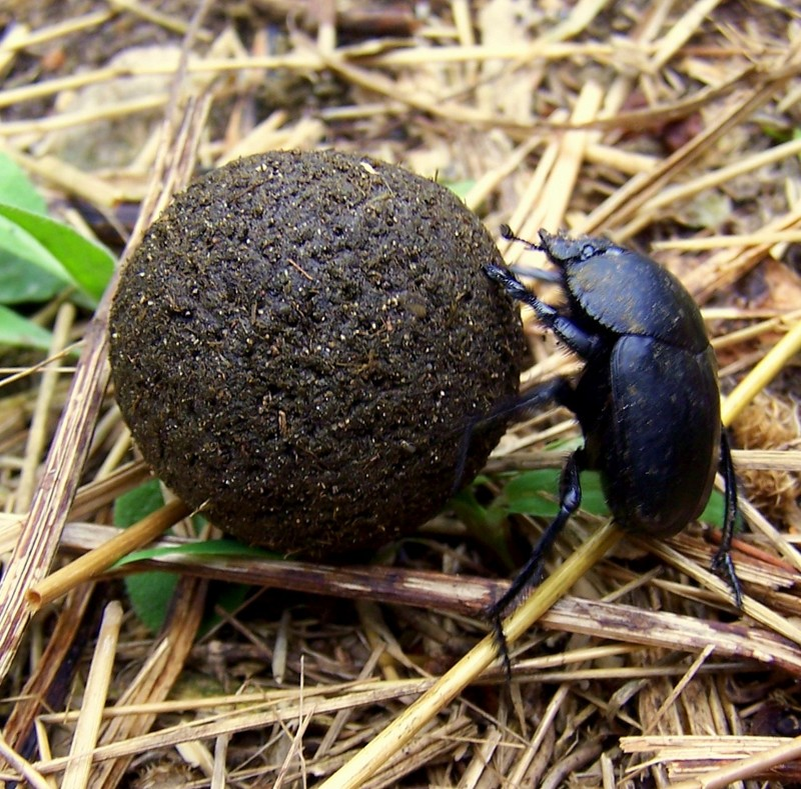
{"x": 302, "y": 341}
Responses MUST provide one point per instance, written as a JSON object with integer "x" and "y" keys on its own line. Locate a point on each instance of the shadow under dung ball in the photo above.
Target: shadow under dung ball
{"x": 300, "y": 343}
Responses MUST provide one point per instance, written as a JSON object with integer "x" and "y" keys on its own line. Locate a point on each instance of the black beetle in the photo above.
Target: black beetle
{"x": 647, "y": 399}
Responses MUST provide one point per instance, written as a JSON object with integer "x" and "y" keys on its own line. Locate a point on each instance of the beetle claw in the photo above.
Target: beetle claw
{"x": 500, "y": 641}
{"x": 723, "y": 567}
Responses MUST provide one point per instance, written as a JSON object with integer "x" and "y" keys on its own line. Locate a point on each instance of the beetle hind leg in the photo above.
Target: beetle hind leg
{"x": 531, "y": 572}
{"x": 722, "y": 563}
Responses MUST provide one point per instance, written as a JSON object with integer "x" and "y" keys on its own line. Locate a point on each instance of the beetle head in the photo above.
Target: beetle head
{"x": 563, "y": 250}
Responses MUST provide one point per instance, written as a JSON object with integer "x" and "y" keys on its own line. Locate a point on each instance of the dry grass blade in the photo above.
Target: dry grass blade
{"x": 155, "y": 680}
{"x": 761, "y": 613}
{"x": 53, "y": 32}
{"x": 41, "y": 689}
{"x": 24, "y": 769}
{"x": 53, "y": 498}
{"x": 767, "y": 369}
{"x": 37, "y": 544}
{"x": 128, "y": 721}
{"x": 37, "y": 436}
{"x": 727, "y": 265}
{"x": 701, "y": 754}
{"x": 671, "y": 631}
{"x": 100, "y": 493}
{"x": 97, "y": 684}
{"x": 682, "y": 31}
{"x": 628, "y": 200}
{"x": 471, "y": 596}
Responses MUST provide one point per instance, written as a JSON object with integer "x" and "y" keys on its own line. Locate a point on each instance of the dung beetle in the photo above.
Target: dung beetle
{"x": 647, "y": 400}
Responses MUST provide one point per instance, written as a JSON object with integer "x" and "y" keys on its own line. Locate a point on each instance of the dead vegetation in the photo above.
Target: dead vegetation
{"x": 671, "y": 127}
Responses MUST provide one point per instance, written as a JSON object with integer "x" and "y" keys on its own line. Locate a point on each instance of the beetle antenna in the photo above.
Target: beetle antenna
{"x": 524, "y": 271}
{"x": 506, "y": 232}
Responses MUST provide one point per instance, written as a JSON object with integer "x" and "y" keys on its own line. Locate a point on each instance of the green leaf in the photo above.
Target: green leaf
{"x": 532, "y": 493}
{"x": 16, "y": 188}
{"x": 461, "y": 188}
{"x": 150, "y": 595}
{"x": 28, "y": 272}
{"x": 486, "y": 524}
{"x": 77, "y": 260}
{"x": 20, "y": 332}
{"x": 151, "y": 592}
{"x": 138, "y": 503}
{"x": 537, "y": 493}
{"x": 713, "y": 512}
{"x": 593, "y": 499}
{"x": 207, "y": 548}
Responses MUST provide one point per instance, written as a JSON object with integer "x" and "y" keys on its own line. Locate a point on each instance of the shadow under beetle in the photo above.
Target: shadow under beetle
{"x": 647, "y": 400}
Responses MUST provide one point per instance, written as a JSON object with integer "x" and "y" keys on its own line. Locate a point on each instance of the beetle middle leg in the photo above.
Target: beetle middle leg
{"x": 557, "y": 390}
{"x": 722, "y": 563}
{"x": 531, "y": 572}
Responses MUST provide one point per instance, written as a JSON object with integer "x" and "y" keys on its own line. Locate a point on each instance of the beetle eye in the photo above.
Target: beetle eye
{"x": 588, "y": 251}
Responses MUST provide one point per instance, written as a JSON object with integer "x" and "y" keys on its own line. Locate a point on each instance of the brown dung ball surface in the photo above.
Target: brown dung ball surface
{"x": 300, "y": 343}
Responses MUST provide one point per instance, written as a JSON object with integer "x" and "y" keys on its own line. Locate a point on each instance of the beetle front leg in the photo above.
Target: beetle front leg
{"x": 531, "y": 572}
{"x": 722, "y": 563}
{"x": 585, "y": 345}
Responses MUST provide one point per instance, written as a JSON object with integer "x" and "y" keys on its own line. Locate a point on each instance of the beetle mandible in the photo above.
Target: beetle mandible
{"x": 647, "y": 400}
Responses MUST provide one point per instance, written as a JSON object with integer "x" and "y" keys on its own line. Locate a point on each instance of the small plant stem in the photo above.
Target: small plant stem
{"x": 95, "y": 562}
